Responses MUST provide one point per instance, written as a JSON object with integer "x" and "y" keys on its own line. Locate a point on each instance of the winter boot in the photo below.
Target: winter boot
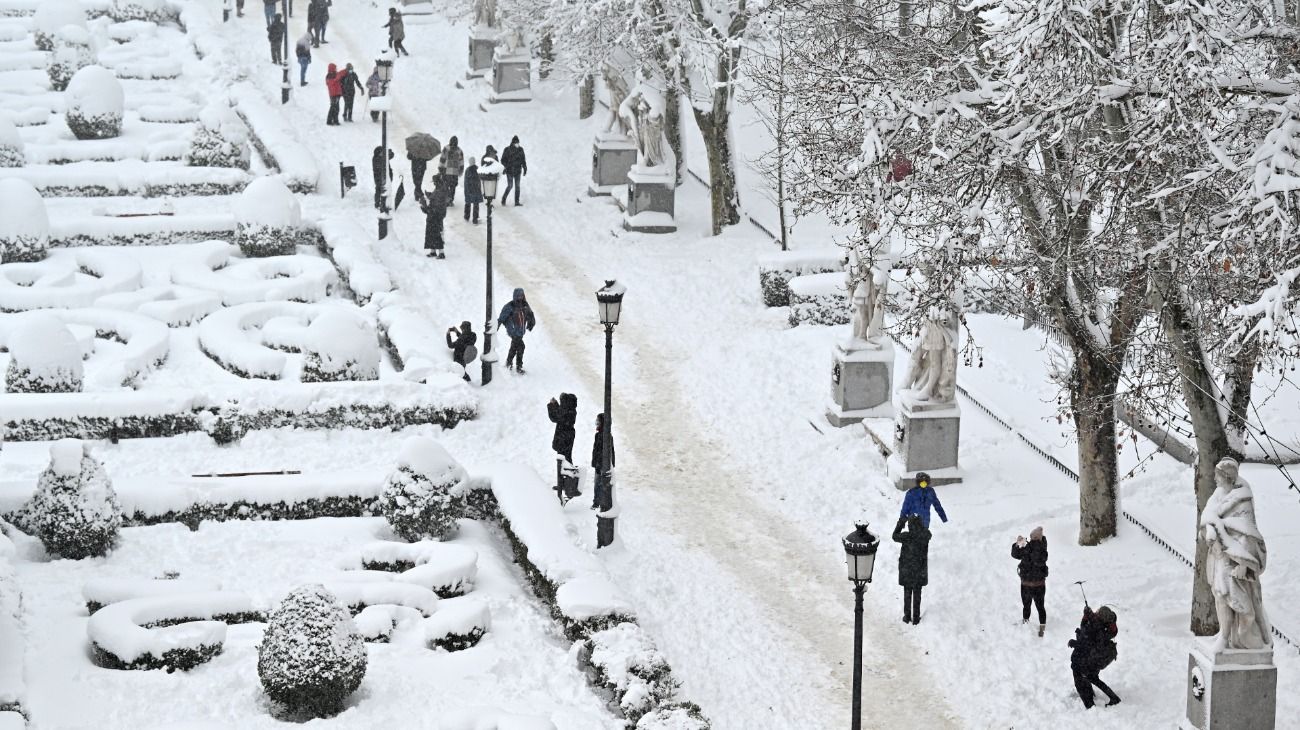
{"x": 1041, "y": 629}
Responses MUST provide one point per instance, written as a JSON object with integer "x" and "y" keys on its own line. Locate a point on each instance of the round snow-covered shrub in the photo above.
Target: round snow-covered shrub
{"x": 219, "y": 140}
{"x": 424, "y": 497}
{"x": 44, "y": 357}
{"x": 74, "y": 50}
{"x": 11, "y": 144}
{"x": 674, "y": 716}
{"x": 153, "y": 11}
{"x": 312, "y": 657}
{"x": 268, "y": 217}
{"x": 74, "y": 511}
{"x": 24, "y": 225}
{"x": 341, "y": 345}
{"x": 53, "y": 15}
{"x": 94, "y": 104}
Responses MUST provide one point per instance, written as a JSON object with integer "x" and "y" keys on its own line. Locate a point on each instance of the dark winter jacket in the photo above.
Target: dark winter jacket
{"x": 1094, "y": 640}
{"x": 303, "y": 48}
{"x": 918, "y": 501}
{"x": 334, "y": 81}
{"x": 275, "y": 31}
{"x": 513, "y": 160}
{"x": 377, "y": 164}
{"x": 1033, "y": 561}
{"x": 435, "y": 211}
{"x": 914, "y": 553}
{"x": 452, "y": 160}
{"x": 596, "y": 445}
{"x": 463, "y": 340}
{"x": 564, "y": 415}
{"x": 473, "y": 187}
{"x": 313, "y": 13}
{"x": 517, "y": 316}
{"x": 351, "y": 84}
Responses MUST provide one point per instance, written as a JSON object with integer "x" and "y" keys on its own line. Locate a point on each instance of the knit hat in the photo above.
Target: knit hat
{"x": 1037, "y": 533}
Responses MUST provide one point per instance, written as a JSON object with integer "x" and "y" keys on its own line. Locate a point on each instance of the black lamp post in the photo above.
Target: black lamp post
{"x": 385, "y": 66}
{"x": 488, "y": 174}
{"x": 284, "y": 59}
{"x": 610, "y": 299}
{"x": 860, "y": 553}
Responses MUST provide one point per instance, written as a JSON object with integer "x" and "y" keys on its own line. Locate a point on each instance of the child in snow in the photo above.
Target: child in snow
{"x": 913, "y": 564}
{"x": 1094, "y": 650}
{"x": 460, "y": 341}
{"x": 919, "y": 499}
{"x": 1032, "y": 554}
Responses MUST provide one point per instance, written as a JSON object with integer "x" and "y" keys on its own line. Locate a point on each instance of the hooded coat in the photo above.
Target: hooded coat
{"x": 473, "y": 186}
{"x": 1094, "y": 640}
{"x": 334, "y": 81}
{"x": 465, "y": 337}
{"x": 517, "y": 316}
{"x": 275, "y": 31}
{"x": 564, "y": 415}
{"x": 913, "y": 553}
{"x": 918, "y": 501}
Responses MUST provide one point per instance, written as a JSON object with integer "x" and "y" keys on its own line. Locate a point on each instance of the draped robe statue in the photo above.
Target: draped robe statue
{"x": 1236, "y": 558}
{"x": 485, "y": 13}
{"x": 932, "y": 371}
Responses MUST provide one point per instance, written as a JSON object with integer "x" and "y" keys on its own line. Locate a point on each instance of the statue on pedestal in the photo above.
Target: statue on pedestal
{"x": 932, "y": 372}
{"x": 1236, "y": 558}
{"x": 485, "y": 13}
{"x": 649, "y": 124}
{"x": 618, "y": 91}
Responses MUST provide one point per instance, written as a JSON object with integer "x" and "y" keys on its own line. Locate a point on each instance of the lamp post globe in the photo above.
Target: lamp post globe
{"x": 860, "y": 556}
{"x": 610, "y": 300}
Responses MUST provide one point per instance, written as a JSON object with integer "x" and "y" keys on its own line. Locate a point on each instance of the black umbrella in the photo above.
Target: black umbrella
{"x": 421, "y": 146}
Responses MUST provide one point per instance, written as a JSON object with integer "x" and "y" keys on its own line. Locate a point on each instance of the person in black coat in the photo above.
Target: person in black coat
{"x": 435, "y": 212}
{"x": 473, "y": 190}
{"x": 275, "y": 34}
{"x": 913, "y": 564}
{"x": 1032, "y": 554}
{"x": 460, "y": 340}
{"x": 351, "y": 85}
{"x": 377, "y": 171}
{"x": 516, "y": 164}
{"x": 564, "y": 415}
{"x": 1094, "y": 650}
{"x": 597, "y": 445}
{"x": 313, "y": 22}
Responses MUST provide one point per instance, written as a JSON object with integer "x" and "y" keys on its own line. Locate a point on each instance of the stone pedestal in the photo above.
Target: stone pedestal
{"x": 926, "y": 438}
{"x": 1234, "y": 689}
{"x": 612, "y": 157}
{"x": 511, "y": 79}
{"x": 651, "y": 200}
{"x": 482, "y": 47}
{"x": 862, "y": 382}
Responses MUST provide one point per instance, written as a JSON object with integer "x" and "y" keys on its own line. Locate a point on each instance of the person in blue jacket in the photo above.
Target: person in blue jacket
{"x": 518, "y": 318}
{"x": 920, "y": 499}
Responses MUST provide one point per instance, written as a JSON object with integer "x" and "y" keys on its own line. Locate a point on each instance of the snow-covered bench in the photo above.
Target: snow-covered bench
{"x": 775, "y": 270}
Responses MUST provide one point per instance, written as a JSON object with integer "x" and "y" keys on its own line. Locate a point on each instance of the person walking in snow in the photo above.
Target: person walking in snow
{"x": 303, "y": 51}
{"x": 1032, "y": 554}
{"x": 473, "y": 190}
{"x": 396, "y": 32}
{"x": 377, "y": 172}
{"x": 919, "y": 499}
{"x": 518, "y": 319}
{"x": 418, "y": 167}
{"x": 451, "y": 163}
{"x": 334, "y": 85}
{"x": 564, "y": 415}
{"x": 460, "y": 341}
{"x": 913, "y": 564}
{"x": 516, "y": 164}
{"x": 1094, "y": 650}
{"x": 313, "y": 22}
{"x": 322, "y": 18}
{"x": 269, "y": 9}
{"x": 275, "y": 34}
{"x": 351, "y": 85}
{"x": 435, "y": 211}
{"x": 375, "y": 88}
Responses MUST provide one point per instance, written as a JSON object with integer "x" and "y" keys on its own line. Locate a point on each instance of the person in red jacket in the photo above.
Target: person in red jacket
{"x": 334, "y": 84}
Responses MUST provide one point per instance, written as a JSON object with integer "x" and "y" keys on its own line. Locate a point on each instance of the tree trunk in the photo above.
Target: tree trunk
{"x": 587, "y": 97}
{"x": 904, "y": 17}
{"x": 673, "y": 128}
{"x": 548, "y": 57}
{"x": 715, "y": 127}
{"x": 1092, "y": 400}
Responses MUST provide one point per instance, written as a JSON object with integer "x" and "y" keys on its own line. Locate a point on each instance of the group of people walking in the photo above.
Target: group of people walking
{"x": 1093, "y": 647}
{"x": 453, "y": 169}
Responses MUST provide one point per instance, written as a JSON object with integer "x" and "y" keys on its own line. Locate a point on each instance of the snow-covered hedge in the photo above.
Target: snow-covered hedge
{"x": 175, "y": 306}
{"x": 340, "y": 345}
{"x": 152, "y": 11}
{"x": 674, "y": 716}
{"x": 146, "y": 341}
{"x": 73, "y": 278}
{"x": 158, "y": 230}
{"x": 25, "y": 224}
{"x": 424, "y": 496}
{"x": 311, "y": 658}
{"x": 458, "y": 624}
{"x": 819, "y": 299}
{"x": 219, "y": 139}
{"x": 445, "y": 568}
{"x": 295, "y": 278}
{"x": 275, "y": 141}
{"x": 412, "y": 340}
{"x": 345, "y": 242}
{"x": 376, "y": 623}
{"x": 776, "y": 270}
{"x": 44, "y": 357}
{"x": 74, "y": 49}
{"x": 166, "y": 632}
{"x": 625, "y": 663}
{"x": 95, "y": 179}
{"x": 102, "y": 592}
{"x": 268, "y": 218}
{"x": 94, "y": 104}
{"x": 358, "y": 595}
{"x": 52, "y": 16}
{"x": 74, "y": 511}
{"x": 11, "y": 144}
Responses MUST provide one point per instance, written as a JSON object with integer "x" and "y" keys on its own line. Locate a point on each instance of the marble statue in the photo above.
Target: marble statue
{"x": 879, "y": 294}
{"x": 1235, "y": 560}
{"x": 512, "y": 41}
{"x": 932, "y": 372}
{"x": 861, "y": 311}
{"x": 649, "y": 134}
{"x": 618, "y": 91}
{"x": 485, "y": 13}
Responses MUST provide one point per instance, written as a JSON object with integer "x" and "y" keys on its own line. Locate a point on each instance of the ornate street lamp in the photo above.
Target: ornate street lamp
{"x": 860, "y": 554}
{"x": 384, "y": 64}
{"x": 610, "y": 300}
{"x": 488, "y": 173}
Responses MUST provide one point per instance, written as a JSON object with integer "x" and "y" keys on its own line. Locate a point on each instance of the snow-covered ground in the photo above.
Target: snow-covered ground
{"x": 734, "y": 491}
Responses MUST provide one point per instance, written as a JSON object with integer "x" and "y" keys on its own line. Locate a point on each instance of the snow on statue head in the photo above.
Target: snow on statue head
{"x": 94, "y": 104}
{"x": 11, "y": 144}
{"x": 51, "y": 16}
{"x": 74, "y": 510}
{"x": 341, "y": 345}
{"x": 24, "y": 225}
{"x": 44, "y": 356}
{"x": 268, "y": 218}
{"x": 219, "y": 139}
{"x": 74, "y": 49}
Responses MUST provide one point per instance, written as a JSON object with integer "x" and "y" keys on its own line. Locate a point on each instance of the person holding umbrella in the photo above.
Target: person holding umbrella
{"x": 420, "y": 148}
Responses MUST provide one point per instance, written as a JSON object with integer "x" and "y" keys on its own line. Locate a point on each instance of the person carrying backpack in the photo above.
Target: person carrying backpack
{"x": 1094, "y": 650}
{"x": 1032, "y": 554}
{"x": 518, "y": 319}
{"x": 460, "y": 342}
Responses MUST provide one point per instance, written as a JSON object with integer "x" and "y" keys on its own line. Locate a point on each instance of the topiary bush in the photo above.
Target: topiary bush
{"x": 74, "y": 511}
{"x": 219, "y": 140}
{"x": 44, "y": 357}
{"x": 341, "y": 345}
{"x": 53, "y": 15}
{"x": 74, "y": 50}
{"x": 25, "y": 224}
{"x": 312, "y": 657}
{"x": 95, "y": 104}
{"x": 11, "y": 144}
{"x": 424, "y": 496}
{"x": 268, "y": 219}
